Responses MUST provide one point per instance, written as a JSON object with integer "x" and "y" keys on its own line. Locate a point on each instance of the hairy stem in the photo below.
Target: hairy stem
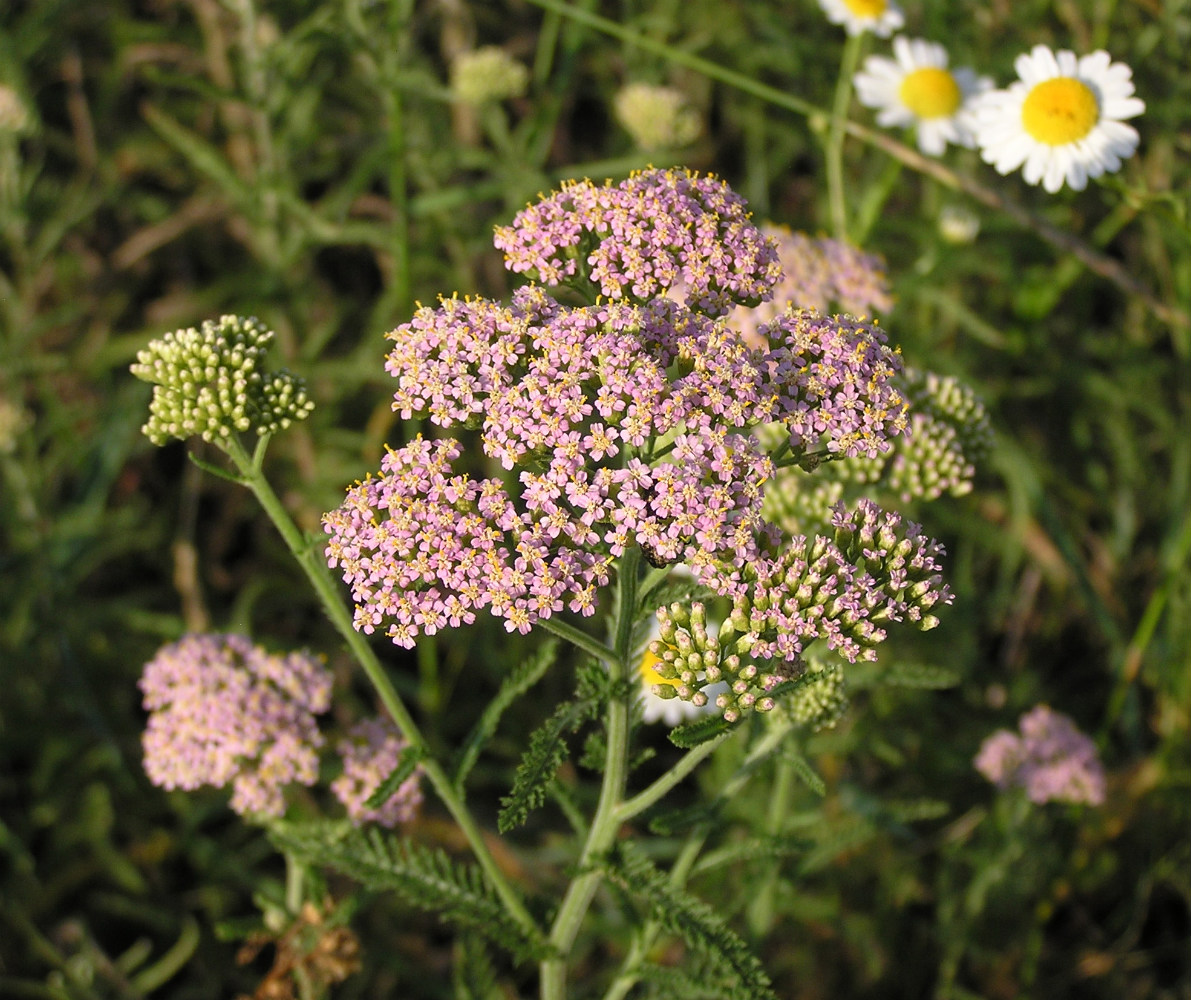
{"x": 605, "y": 822}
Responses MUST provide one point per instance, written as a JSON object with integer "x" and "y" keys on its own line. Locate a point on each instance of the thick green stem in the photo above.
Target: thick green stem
{"x": 605, "y": 822}
{"x": 689, "y": 854}
{"x": 328, "y": 593}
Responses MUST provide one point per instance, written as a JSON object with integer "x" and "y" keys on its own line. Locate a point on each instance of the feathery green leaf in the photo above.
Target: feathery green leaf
{"x": 407, "y": 763}
{"x": 423, "y": 877}
{"x": 525, "y": 676}
{"x": 692, "y": 920}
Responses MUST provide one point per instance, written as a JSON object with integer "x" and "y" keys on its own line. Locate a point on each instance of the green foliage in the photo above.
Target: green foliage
{"x": 804, "y": 770}
{"x": 701, "y": 930}
{"x": 407, "y": 763}
{"x": 474, "y": 976}
{"x": 423, "y": 877}
{"x": 548, "y": 749}
{"x": 702, "y": 730}
{"x": 524, "y": 676}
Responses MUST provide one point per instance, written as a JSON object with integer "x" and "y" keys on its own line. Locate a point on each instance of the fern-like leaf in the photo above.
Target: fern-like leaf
{"x": 407, "y": 763}
{"x": 426, "y": 878}
{"x": 920, "y": 675}
{"x": 547, "y": 750}
{"x": 682, "y": 984}
{"x": 474, "y": 978}
{"x": 774, "y": 848}
{"x": 699, "y": 731}
{"x": 805, "y": 771}
{"x": 680, "y": 913}
{"x": 525, "y": 676}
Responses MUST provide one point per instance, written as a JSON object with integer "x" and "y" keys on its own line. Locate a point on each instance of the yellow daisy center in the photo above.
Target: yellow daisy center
{"x": 930, "y": 93}
{"x": 1060, "y": 111}
{"x": 649, "y": 674}
{"x": 866, "y": 8}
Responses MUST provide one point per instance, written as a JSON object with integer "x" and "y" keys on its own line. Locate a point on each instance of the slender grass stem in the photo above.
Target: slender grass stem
{"x": 836, "y": 196}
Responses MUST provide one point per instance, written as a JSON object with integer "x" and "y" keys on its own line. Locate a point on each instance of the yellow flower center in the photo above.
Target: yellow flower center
{"x": 866, "y": 8}
{"x": 649, "y": 674}
{"x": 930, "y": 93}
{"x": 1060, "y": 111}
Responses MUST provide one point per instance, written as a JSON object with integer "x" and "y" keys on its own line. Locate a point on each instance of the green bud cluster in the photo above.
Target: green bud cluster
{"x": 949, "y": 433}
{"x": 820, "y": 699}
{"x": 656, "y": 117}
{"x": 209, "y": 382}
{"x": 950, "y": 402}
{"x": 487, "y": 75}
{"x": 698, "y": 665}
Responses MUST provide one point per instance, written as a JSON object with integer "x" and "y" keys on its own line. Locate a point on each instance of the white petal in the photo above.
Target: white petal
{"x": 1036, "y": 164}
{"x": 1123, "y": 107}
{"x": 1056, "y": 170}
{"x": 1068, "y": 64}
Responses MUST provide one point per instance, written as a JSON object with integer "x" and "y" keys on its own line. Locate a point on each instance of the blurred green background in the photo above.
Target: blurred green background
{"x": 171, "y": 160}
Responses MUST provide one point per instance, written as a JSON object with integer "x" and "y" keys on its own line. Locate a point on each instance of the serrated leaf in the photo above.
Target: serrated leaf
{"x": 672, "y": 821}
{"x": 680, "y": 913}
{"x": 772, "y": 848}
{"x": 916, "y": 810}
{"x": 515, "y": 684}
{"x": 805, "y": 771}
{"x": 406, "y": 765}
{"x": 547, "y": 750}
{"x": 426, "y": 878}
{"x": 474, "y": 977}
{"x": 678, "y": 984}
{"x": 700, "y": 731}
{"x": 920, "y": 675}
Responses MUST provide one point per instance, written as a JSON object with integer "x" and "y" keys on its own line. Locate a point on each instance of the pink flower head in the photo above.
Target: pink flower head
{"x": 626, "y": 422}
{"x": 370, "y": 754}
{"x": 818, "y": 273}
{"x": 1051, "y": 759}
{"x": 643, "y": 236}
{"x": 223, "y": 711}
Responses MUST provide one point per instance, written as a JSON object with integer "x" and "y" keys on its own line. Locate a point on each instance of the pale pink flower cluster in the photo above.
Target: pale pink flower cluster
{"x": 644, "y": 235}
{"x": 1051, "y": 759}
{"x": 621, "y": 423}
{"x": 223, "y": 711}
{"x": 370, "y": 754}
{"x": 818, "y": 273}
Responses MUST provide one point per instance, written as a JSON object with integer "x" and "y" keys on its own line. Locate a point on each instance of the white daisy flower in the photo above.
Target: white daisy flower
{"x": 881, "y": 17}
{"x": 918, "y": 89}
{"x": 672, "y": 711}
{"x": 1064, "y": 119}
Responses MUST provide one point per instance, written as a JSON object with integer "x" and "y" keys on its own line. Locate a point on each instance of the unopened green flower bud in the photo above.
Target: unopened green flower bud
{"x": 208, "y": 382}
{"x": 487, "y": 75}
{"x": 656, "y": 117}
{"x": 820, "y": 700}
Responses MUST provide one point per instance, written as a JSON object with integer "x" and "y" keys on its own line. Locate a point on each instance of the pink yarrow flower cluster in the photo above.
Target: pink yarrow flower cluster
{"x": 223, "y": 711}
{"x": 644, "y": 235}
{"x": 370, "y": 754}
{"x": 1051, "y": 759}
{"x": 818, "y": 273}
{"x": 618, "y": 424}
